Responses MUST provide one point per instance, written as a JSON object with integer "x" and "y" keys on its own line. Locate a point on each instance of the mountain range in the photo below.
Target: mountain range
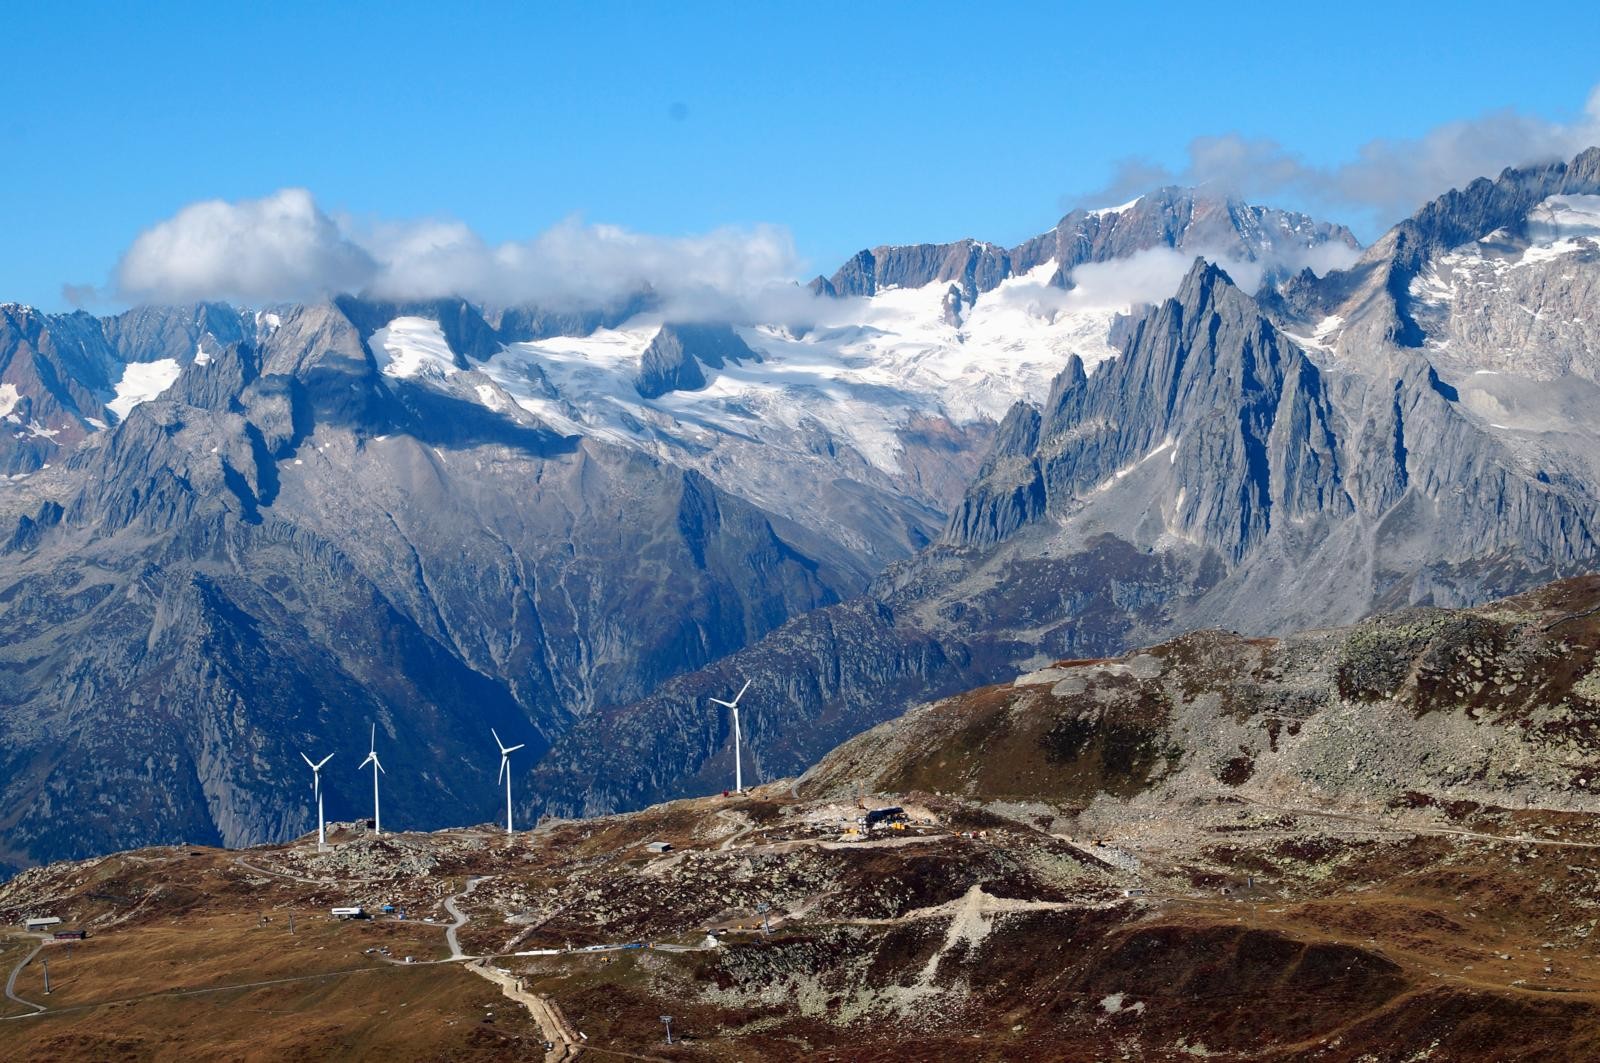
{"x": 229, "y": 535}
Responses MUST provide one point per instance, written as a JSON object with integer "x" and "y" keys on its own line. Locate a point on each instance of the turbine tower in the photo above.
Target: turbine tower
{"x": 372, "y": 758}
{"x": 316, "y": 785}
{"x": 505, "y": 770}
{"x": 738, "y": 768}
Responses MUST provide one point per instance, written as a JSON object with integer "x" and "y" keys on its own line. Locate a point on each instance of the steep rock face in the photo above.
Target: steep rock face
{"x": 53, "y": 372}
{"x": 971, "y": 265}
{"x": 1182, "y": 218}
{"x": 675, "y": 356}
{"x": 1374, "y": 298}
{"x": 1179, "y": 218}
{"x": 148, "y": 333}
{"x": 516, "y": 324}
{"x": 1244, "y": 414}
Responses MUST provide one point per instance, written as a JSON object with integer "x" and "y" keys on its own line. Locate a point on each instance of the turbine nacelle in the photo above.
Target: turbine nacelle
{"x": 372, "y": 752}
{"x": 734, "y": 704}
{"x": 504, "y": 750}
{"x": 316, "y": 770}
{"x": 316, "y": 788}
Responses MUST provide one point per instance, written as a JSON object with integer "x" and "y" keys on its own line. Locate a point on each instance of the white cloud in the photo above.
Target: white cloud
{"x": 284, "y": 248}
{"x": 1154, "y": 274}
{"x": 1389, "y": 178}
{"x": 256, "y": 250}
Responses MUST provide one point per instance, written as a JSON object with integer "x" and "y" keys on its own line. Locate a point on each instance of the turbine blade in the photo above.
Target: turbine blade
{"x": 502, "y": 775}
{"x": 719, "y": 701}
{"x": 742, "y": 689}
{"x": 372, "y": 758}
{"x": 497, "y": 741}
{"x": 307, "y": 759}
{"x": 324, "y": 760}
{"x": 374, "y": 743}
{"x": 516, "y": 747}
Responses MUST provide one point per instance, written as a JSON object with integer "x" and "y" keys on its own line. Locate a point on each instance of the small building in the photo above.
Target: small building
{"x": 43, "y": 922}
{"x": 880, "y": 817}
{"x": 71, "y": 935}
{"x": 659, "y": 847}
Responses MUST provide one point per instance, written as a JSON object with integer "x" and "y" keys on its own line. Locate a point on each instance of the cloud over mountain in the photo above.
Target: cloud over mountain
{"x": 284, "y": 247}
{"x": 1389, "y": 178}
{"x": 279, "y": 247}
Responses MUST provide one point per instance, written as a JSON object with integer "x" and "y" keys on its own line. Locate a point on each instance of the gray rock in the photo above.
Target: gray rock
{"x": 675, "y": 356}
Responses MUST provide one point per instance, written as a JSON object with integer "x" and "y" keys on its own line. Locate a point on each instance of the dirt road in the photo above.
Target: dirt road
{"x": 11, "y": 979}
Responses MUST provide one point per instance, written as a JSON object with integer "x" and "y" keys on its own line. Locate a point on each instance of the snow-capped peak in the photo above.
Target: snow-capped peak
{"x": 1101, "y": 212}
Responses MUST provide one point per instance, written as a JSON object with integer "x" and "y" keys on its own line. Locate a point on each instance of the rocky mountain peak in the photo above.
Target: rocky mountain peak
{"x": 1206, "y": 350}
{"x": 674, "y": 359}
{"x": 1181, "y": 218}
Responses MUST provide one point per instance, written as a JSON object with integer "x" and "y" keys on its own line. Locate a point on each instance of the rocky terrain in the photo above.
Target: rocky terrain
{"x": 1345, "y": 844}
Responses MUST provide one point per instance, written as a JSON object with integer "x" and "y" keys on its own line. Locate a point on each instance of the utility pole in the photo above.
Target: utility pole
{"x": 668, "y": 1020}
{"x": 47, "y": 978}
{"x": 291, "y": 922}
{"x": 766, "y": 919}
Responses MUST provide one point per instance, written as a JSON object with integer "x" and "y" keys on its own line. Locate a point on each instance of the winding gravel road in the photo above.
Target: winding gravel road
{"x": 11, "y": 979}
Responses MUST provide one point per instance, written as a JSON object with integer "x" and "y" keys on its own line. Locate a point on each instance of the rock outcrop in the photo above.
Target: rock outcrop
{"x": 677, "y": 357}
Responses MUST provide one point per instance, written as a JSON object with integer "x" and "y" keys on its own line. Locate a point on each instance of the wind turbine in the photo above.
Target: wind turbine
{"x": 505, "y": 770}
{"x": 738, "y": 769}
{"x": 316, "y": 785}
{"x": 372, "y": 758}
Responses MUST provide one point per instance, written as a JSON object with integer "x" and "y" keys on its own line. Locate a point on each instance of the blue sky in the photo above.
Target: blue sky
{"x": 848, "y": 125}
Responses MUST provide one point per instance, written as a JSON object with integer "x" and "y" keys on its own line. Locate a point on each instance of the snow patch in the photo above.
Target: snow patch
{"x": 141, "y": 382}
{"x": 412, "y": 347}
{"x": 1101, "y": 212}
{"x": 490, "y": 397}
{"x": 9, "y": 397}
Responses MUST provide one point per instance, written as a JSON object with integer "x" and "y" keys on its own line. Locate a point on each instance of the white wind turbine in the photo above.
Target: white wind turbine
{"x": 505, "y": 770}
{"x": 316, "y": 785}
{"x": 738, "y": 769}
{"x": 372, "y": 758}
